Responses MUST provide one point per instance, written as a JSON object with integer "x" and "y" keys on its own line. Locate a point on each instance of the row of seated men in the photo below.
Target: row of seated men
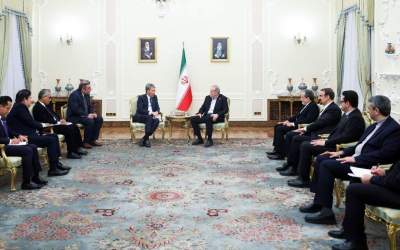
{"x": 213, "y": 110}
{"x": 19, "y": 126}
{"x": 377, "y": 144}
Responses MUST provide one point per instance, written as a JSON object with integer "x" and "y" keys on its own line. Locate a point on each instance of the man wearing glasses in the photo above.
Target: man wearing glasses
{"x": 44, "y": 114}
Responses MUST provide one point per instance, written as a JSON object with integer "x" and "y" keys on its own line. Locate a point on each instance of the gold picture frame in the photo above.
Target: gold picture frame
{"x": 220, "y": 49}
{"x": 147, "y": 50}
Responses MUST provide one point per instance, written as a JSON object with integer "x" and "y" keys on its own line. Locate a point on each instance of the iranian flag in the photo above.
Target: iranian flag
{"x": 184, "y": 95}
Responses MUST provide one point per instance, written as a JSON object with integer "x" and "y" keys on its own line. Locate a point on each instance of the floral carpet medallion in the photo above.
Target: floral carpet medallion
{"x": 171, "y": 196}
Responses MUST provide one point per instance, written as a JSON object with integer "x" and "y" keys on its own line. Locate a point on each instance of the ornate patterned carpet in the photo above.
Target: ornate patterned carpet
{"x": 172, "y": 196}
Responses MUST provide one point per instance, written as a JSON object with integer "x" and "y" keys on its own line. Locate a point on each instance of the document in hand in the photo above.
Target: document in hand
{"x": 359, "y": 172}
{"x": 65, "y": 124}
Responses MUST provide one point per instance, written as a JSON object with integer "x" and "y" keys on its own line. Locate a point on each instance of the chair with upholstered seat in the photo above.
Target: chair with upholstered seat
{"x": 223, "y": 127}
{"x": 10, "y": 164}
{"x": 391, "y": 218}
{"x": 136, "y": 127}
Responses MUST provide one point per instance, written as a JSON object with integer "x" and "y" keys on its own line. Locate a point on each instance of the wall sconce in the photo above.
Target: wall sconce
{"x": 66, "y": 39}
{"x": 163, "y": 7}
{"x": 300, "y": 38}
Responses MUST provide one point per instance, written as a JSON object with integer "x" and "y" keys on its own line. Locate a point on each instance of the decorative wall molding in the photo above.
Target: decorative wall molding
{"x": 389, "y": 76}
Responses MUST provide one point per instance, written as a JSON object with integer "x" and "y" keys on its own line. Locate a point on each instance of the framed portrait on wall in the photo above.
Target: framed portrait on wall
{"x": 147, "y": 50}
{"x": 220, "y": 49}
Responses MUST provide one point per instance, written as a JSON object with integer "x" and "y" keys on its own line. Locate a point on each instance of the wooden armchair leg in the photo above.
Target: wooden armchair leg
{"x": 222, "y": 134}
{"x": 392, "y": 230}
{"x": 163, "y": 133}
{"x": 13, "y": 174}
{"x": 337, "y": 194}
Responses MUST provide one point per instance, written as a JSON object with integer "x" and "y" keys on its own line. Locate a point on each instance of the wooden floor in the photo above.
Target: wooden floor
{"x": 234, "y": 132}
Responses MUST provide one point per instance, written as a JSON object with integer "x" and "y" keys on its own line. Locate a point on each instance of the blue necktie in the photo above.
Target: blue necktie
{"x": 4, "y": 123}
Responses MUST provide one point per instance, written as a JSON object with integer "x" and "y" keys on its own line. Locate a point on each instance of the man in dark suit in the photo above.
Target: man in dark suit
{"x": 42, "y": 112}
{"x": 307, "y": 114}
{"x": 380, "y": 189}
{"x": 328, "y": 118}
{"x": 80, "y": 110}
{"x": 20, "y": 121}
{"x": 349, "y": 129}
{"x": 380, "y": 144}
{"x": 29, "y": 154}
{"x": 147, "y": 112}
{"x": 213, "y": 110}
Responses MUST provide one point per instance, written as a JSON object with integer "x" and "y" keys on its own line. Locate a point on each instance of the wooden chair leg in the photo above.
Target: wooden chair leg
{"x": 392, "y": 230}
{"x": 338, "y": 194}
{"x": 13, "y": 174}
{"x": 222, "y": 134}
{"x": 163, "y": 133}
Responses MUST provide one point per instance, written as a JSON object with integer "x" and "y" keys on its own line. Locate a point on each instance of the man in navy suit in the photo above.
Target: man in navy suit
{"x": 213, "y": 110}
{"x": 307, "y": 114}
{"x": 328, "y": 118}
{"x": 380, "y": 189}
{"x": 29, "y": 154}
{"x": 80, "y": 110}
{"x": 380, "y": 144}
{"x": 20, "y": 121}
{"x": 147, "y": 112}
{"x": 42, "y": 112}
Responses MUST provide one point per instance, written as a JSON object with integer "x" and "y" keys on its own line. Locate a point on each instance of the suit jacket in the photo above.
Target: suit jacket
{"x": 44, "y": 114}
{"x": 308, "y": 115}
{"x": 326, "y": 122}
{"x": 349, "y": 129}
{"x": 20, "y": 121}
{"x": 220, "y": 108}
{"x": 390, "y": 180}
{"x": 76, "y": 105}
{"x": 4, "y": 139}
{"x": 143, "y": 105}
{"x": 382, "y": 147}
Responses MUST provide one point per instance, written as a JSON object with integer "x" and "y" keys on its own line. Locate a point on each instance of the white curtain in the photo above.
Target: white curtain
{"x": 350, "y": 63}
{"x": 14, "y": 77}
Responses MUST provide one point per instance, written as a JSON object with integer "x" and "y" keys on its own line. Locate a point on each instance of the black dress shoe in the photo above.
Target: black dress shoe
{"x": 39, "y": 181}
{"x": 57, "y": 172}
{"x": 310, "y": 208}
{"x": 72, "y": 155}
{"x": 30, "y": 186}
{"x": 325, "y": 217}
{"x": 147, "y": 144}
{"x": 80, "y": 151}
{"x": 198, "y": 142}
{"x": 141, "y": 142}
{"x": 284, "y": 167}
{"x": 288, "y": 172}
{"x": 273, "y": 152}
{"x": 351, "y": 245}
{"x": 276, "y": 157}
{"x": 63, "y": 167}
{"x": 299, "y": 183}
{"x": 337, "y": 234}
{"x": 208, "y": 143}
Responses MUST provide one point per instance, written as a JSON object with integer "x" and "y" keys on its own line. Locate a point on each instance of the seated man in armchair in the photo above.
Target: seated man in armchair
{"x": 213, "y": 110}
{"x": 148, "y": 112}
{"x": 80, "y": 110}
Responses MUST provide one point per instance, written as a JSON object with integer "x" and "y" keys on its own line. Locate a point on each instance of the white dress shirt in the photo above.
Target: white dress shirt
{"x": 212, "y": 106}
{"x": 360, "y": 146}
{"x": 150, "y": 109}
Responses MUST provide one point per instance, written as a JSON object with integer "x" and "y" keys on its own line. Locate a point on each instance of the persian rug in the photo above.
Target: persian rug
{"x": 171, "y": 196}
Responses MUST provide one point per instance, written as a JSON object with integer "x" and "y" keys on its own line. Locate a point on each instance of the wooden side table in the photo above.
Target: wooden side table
{"x": 183, "y": 120}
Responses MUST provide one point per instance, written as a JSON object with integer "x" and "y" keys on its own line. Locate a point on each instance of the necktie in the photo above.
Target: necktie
{"x": 85, "y": 106}
{"x": 4, "y": 123}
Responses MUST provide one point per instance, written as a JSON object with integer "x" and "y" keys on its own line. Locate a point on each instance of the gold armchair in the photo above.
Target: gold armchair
{"x": 135, "y": 127}
{"x": 10, "y": 164}
{"x": 221, "y": 126}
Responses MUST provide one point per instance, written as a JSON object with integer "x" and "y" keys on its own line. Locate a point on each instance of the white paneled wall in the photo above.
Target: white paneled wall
{"x": 263, "y": 52}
